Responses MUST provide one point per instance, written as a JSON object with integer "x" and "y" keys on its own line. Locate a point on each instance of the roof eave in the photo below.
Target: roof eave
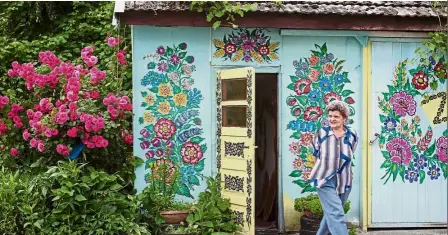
{"x": 289, "y": 21}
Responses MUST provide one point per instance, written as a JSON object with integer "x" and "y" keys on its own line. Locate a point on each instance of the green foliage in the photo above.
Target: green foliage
{"x": 151, "y": 204}
{"x": 87, "y": 201}
{"x": 437, "y": 44}
{"x": 38, "y": 18}
{"x": 212, "y": 213}
{"x": 311, "y": 206}
{"x": 352, "y": 230}
{"x": 21, "y": 205}
{"x": 182, "y": 229}
{"x": 79, "y": 25}
{"x": 220, "y": 11}
{"x": 69, "y": 198}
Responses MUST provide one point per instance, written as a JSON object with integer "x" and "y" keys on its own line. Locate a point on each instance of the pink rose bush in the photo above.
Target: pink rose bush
{"x": 69, "y": 104}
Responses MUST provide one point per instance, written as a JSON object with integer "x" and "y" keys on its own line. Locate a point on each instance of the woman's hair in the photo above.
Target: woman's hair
{"x": 341, "y": 106}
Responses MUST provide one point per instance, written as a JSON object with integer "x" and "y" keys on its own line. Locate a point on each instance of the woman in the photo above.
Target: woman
{"x": 332, "y": 173}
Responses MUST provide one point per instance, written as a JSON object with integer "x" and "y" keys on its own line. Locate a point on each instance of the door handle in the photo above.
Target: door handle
{"x": 375, "y": 138}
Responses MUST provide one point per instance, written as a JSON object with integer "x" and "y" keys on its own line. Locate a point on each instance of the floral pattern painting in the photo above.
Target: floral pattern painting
{"x": 409, "y": 149}
{"x": 318, "y": 80}
{"x": 172, "y": 126}
{"x": 248, "y": 46}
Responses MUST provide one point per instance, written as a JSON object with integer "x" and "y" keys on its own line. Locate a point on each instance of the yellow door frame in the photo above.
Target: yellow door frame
{"x": 367, "y": 133}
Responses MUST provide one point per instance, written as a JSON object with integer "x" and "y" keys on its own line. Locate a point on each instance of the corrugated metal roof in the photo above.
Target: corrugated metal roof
{"x": 366, "y": 8}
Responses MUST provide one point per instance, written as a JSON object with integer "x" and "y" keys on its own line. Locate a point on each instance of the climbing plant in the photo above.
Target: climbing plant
{"x": 220, "y": 11}
{"x": 437, "y": 43}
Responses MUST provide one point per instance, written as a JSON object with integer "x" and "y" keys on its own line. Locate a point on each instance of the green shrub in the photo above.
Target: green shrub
{"x": 212, "y": 214}
{"x": 352, "y": 230}
{"x": 21, "y": 205}
{"x": 88, "y": 201}
{"x": 311, "y": 206}
{"x": 68, "y": 198}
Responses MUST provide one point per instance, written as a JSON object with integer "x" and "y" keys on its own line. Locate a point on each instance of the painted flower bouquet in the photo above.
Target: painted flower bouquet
{"x": 247, "y": 46}
{"x": 408, "y": 153}
{"x": 172, "y": 127}
{"x": 317, "y": 81}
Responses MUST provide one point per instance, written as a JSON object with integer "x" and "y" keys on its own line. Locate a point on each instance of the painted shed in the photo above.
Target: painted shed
{"x": 243, "y": 103}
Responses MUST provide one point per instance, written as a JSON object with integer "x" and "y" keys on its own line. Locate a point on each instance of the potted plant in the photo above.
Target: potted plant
{"x": 313, "y": 213}
{"x": 176, "y": 213}
{"x": 160, "y": 195}
{"x": 211, "y": 214}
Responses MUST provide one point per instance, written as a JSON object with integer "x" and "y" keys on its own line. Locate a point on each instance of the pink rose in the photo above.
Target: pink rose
{"x": 105, "y": 143}
{"x": 128, "y": 139}
{"x": 14, "y": 152}
{"x": 92, "y": 61}
{"x": 48, "y": 133}
{"x": 62, "y": 149}
{"x": 112, "y": 41}
{"x": 33, "y": 143}
{"x": 72, "y": 132}
{"x": 4, "y": 100}
{"x": 37, "y": 115}
{"x": 72, "y": 106}
{"x": 72, "y": 96}
{"x": 61, "y": 118}
{"x": 41, "y": 147}
{"x": 121, "y": 57}
{"x": 94, "y": 95}
{"x": 73, "y": 116}
{"x": 26, "y": 135}
{"x": 18, "y": 125}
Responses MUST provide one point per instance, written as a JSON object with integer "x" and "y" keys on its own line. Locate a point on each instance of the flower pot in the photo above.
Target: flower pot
{"x": 174, "y": 217}
{"x": 309, "y": 225}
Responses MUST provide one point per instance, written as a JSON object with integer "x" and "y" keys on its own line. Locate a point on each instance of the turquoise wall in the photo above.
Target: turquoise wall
{"x": 313, "y": 71}
{"x": 316, "y": 58}
{"x": 269, "y": 52}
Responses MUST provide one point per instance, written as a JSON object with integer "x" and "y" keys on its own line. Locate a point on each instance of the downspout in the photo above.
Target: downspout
{"x": 281, "y": 219}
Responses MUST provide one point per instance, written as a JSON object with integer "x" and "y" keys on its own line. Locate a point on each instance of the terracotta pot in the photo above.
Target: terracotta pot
{"x": 174, "y": 217}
